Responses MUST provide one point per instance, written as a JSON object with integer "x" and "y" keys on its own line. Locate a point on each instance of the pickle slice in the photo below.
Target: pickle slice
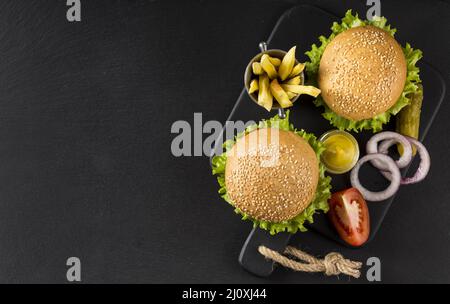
{"x": 408, "y": 119}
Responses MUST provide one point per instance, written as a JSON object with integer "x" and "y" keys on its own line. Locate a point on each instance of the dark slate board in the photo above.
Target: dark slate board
{"x": 301, "y": 26}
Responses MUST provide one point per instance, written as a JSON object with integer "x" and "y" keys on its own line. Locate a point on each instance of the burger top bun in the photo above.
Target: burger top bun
{"x": 362, "y": 73}
{"x": 271, "y": 174}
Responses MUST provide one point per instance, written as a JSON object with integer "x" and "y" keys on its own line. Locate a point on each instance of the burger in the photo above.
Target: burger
{"x": 364, "y": 74}
{"x": 272, "y": 175}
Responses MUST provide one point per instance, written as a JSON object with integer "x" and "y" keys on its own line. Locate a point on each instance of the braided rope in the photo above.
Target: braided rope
{"x": 333, "y": 263}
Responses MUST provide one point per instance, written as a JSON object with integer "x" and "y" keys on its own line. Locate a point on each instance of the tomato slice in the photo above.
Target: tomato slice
{"x": 350, "y": 216}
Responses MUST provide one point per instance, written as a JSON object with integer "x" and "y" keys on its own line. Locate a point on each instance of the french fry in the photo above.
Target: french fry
{"x": 297, "y": 69}
{"x": 265, "y": 98}
{"x": 280, "y": 95}
{"x": 257, "y": 68}
{"x": 253, "y": 86}
{"x": 295, "y": 80}
{"x": 291, "y": 95}
{"x": 275, "y": 61}
{"x": 300, "y": 89}
{"x": 268, "y": 67}
{"x": 287, "y": 64}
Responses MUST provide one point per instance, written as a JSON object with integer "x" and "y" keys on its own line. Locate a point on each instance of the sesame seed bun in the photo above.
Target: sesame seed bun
{"x": 271, "y": 174}
{"x": 362, "y": 73}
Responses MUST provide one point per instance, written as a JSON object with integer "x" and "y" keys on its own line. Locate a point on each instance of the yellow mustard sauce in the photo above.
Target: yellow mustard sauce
{"x": 341, "y": 151}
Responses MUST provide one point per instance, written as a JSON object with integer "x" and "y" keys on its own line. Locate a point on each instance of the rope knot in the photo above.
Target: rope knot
{"x": 333, "y": 263}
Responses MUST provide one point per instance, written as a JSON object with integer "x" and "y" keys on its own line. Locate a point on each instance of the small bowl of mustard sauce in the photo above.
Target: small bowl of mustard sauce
{"x": 341, "y": 151}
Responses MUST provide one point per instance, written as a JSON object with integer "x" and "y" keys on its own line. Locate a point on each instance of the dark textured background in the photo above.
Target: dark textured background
{"x": 85, "y": 162}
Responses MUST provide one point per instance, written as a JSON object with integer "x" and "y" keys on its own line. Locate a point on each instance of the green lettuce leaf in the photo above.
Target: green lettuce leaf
{"x": 320, "y": 201}
{"x": 412, "y": 78}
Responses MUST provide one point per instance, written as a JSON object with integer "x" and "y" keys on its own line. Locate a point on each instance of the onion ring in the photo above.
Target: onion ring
{"x": 372, "y": 147}
{"x": 384, "y": 149}
{"x": 388, "y": 163}
{"x": 385, "y": 145}
{"x": 424, "y": 166}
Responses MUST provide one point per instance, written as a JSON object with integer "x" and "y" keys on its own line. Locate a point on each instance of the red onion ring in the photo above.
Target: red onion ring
{"x": 372, "y": 147}
{"x": 384, "y": 149}
{"x": 424, "y": 166}
{"x": 388, "y": 163}
{"x": 385, "y": 145}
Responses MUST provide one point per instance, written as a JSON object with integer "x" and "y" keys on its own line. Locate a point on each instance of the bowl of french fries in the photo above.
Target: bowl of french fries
{"x": 274, "y": 79}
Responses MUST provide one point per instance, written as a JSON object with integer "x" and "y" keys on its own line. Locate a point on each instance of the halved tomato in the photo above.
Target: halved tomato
{"x": 350, "y": 216}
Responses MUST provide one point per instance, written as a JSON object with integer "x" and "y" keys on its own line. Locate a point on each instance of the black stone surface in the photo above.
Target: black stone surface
{"x": 85, "y": 165}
